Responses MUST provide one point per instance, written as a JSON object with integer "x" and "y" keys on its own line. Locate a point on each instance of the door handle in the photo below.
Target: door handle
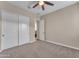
{"x": 3, "y": 35}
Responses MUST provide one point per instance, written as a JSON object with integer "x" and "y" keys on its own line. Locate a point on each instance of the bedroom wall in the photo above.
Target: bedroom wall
{"x": 14, "y": 9}
{"x": 62, "y": 26}
{"x": 0, "y": 28}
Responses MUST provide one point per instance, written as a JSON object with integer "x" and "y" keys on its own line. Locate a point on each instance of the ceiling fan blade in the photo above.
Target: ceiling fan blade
{"x": 43, "y": 7}
{"x": 35, "y": 5}
{"x": 48, "y": 3}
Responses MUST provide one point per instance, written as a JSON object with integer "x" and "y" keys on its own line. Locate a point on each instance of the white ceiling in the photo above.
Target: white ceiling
{"x": 28, "y": 6}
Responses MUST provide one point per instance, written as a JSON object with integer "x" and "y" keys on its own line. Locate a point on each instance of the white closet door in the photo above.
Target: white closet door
{"x": 23, "y": 30}
{"x": 9, "y": 30}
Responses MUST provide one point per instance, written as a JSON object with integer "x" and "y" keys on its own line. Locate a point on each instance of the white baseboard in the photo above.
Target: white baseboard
{"x": 63, "y": 45}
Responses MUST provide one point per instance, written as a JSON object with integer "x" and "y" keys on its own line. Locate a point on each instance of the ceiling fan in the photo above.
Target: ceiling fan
{"x": 42, "y": 3}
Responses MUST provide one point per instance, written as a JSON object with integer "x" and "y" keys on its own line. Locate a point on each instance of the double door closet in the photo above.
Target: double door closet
{"x": 14, "y": 30}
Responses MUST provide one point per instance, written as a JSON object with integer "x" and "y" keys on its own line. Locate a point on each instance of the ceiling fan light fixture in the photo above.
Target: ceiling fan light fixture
{"x": 41, "y": 3}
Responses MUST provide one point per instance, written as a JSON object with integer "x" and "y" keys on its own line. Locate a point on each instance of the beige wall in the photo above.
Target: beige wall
{"x": 0, "y": 28}
{"x": 14, "y": 9}
{"x": 62, "y": 26}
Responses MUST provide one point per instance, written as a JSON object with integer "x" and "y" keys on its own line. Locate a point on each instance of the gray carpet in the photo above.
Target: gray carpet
{"x": 40, "y": 49}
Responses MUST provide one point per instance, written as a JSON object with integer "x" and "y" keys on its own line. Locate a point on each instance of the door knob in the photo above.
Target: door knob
{"x": 3, "y": 35}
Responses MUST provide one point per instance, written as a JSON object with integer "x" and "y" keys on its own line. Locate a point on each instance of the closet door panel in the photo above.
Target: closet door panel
{"x": 23, "y": 30}
{"x": 9, "y": 30}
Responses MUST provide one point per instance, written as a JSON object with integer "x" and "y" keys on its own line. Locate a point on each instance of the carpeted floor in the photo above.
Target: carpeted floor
{"x": 40, "y": 49}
